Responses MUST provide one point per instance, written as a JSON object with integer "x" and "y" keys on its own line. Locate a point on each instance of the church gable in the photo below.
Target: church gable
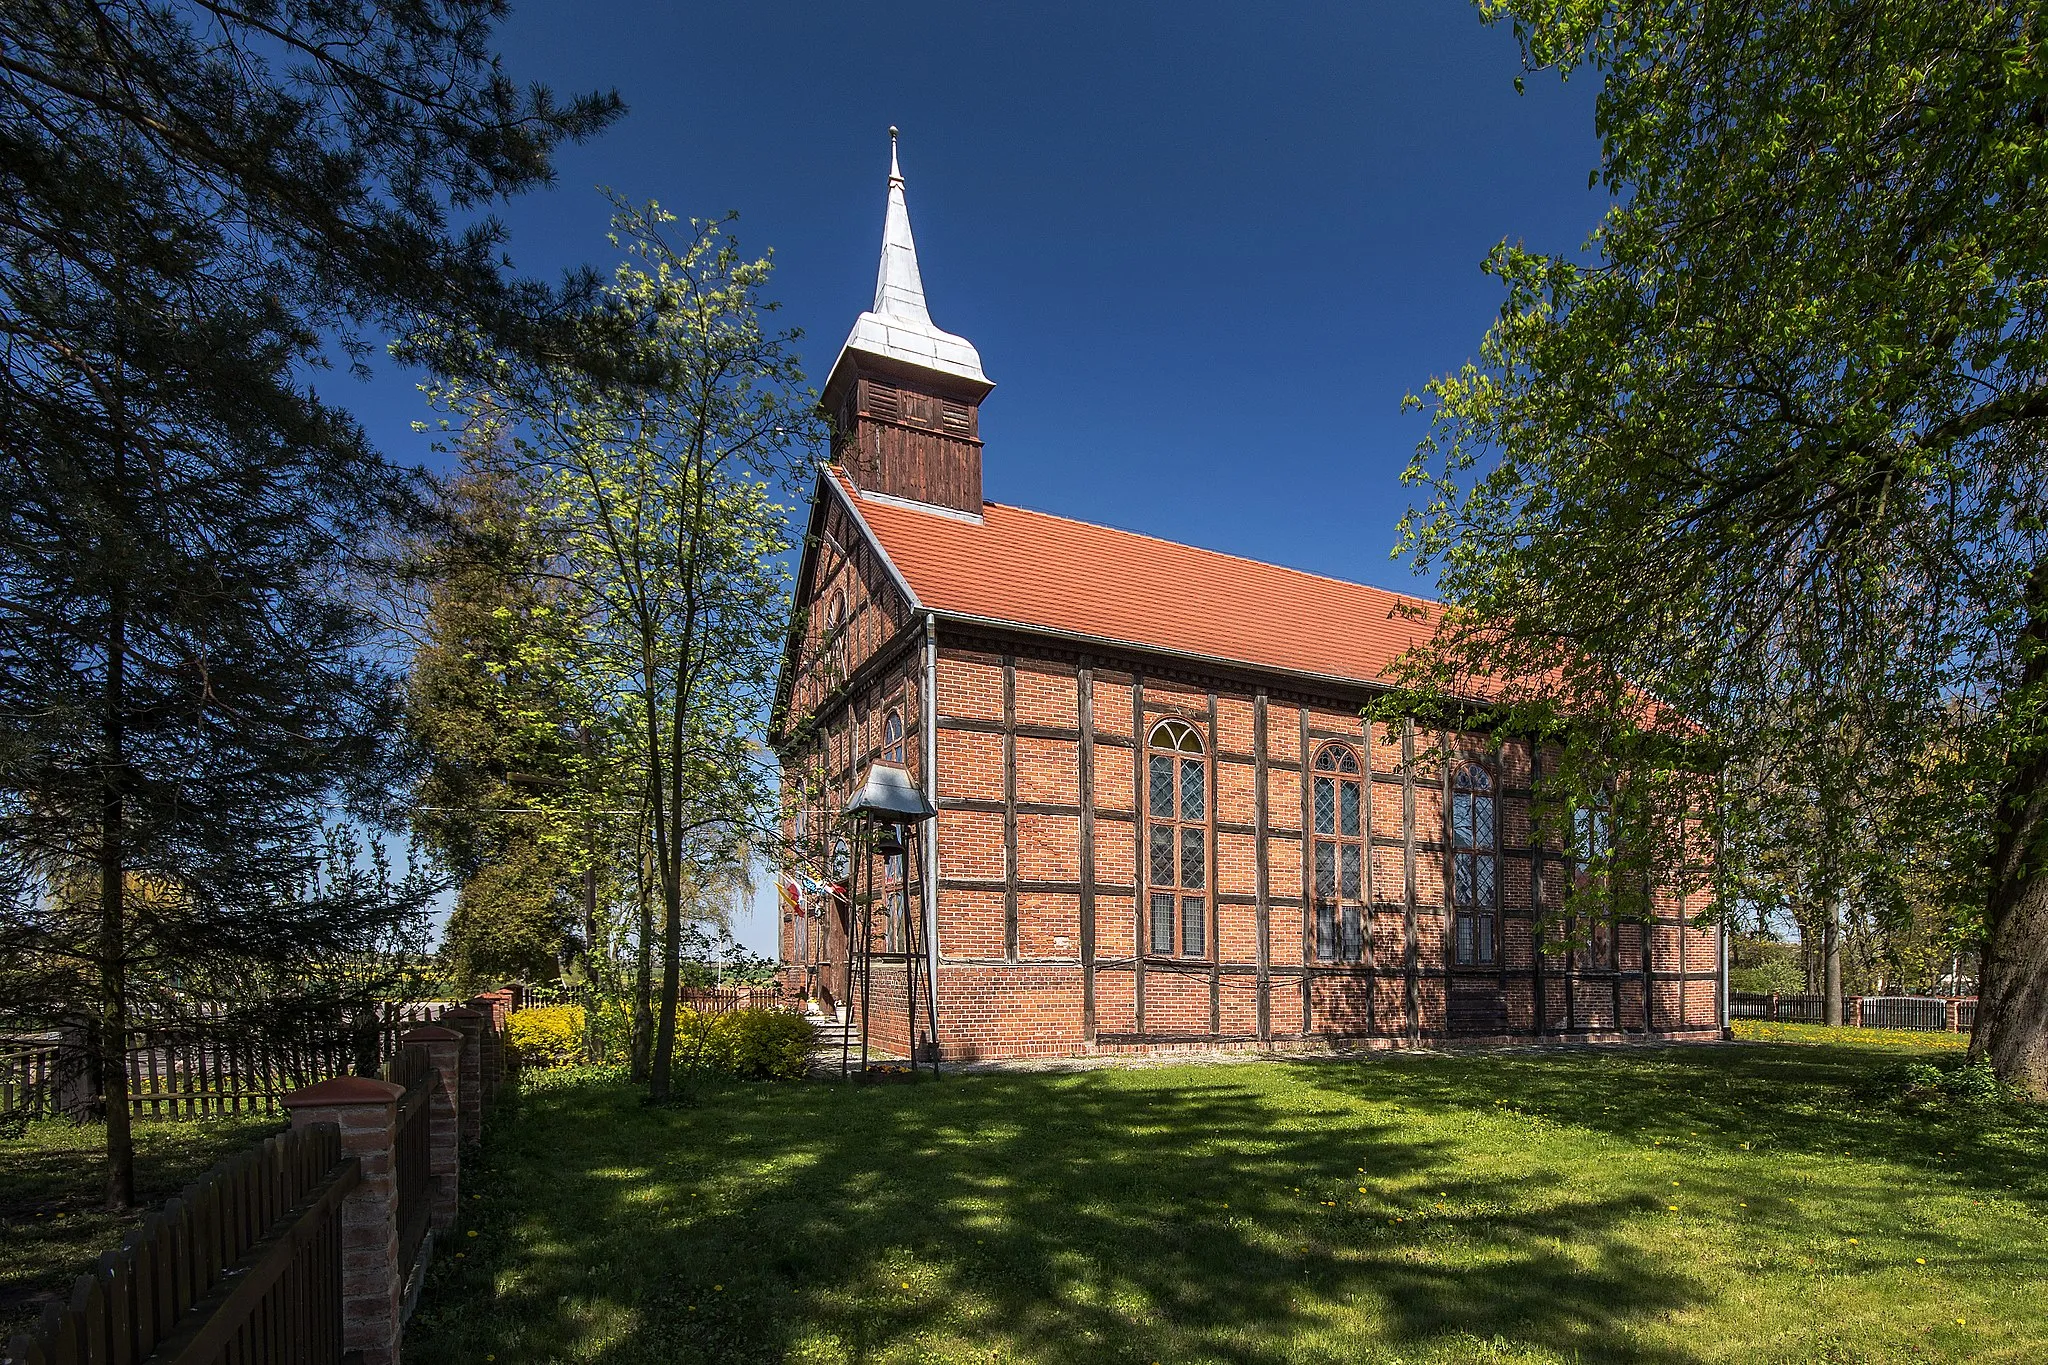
{"x": 849, "y": 608}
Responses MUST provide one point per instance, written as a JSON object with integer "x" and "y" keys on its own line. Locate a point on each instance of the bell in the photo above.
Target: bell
{"x": 889, "y": 795}
{"x": 889, "y": 841}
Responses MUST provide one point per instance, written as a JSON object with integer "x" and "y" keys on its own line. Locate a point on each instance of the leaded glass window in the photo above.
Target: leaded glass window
{"x": 1177, "y": 806}
{"x": 1475, "y": 898}
{"x": 1337, "y": 801}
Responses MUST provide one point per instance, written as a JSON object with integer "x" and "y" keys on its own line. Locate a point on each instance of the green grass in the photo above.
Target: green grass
{"x": 52, "y": 1225}
{"x": 1673, "y": 1205}
{"x": 1759, "y": 1031}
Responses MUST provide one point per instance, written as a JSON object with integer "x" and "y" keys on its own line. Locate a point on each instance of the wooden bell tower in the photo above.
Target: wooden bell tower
{"x": 904, "y": 397}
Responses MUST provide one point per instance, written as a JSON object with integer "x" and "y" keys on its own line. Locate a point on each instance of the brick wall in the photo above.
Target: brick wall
{"x": 1044, "y": 874}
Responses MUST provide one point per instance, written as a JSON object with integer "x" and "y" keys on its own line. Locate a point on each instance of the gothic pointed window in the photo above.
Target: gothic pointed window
{"x": 892, "y": 739}
{"x": 1337, "y": 799}
{"x": 1475, "y": 898}
{"x": 1177, "y": 830}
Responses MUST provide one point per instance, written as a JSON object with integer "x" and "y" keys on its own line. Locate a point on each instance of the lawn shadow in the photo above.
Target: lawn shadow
{"x": 1808, "y": 1099}
{"x": 1136, "y": 1216}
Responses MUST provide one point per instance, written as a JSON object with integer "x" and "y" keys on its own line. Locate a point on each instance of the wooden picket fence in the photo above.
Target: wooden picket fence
{"x": 30, "y": 1077}
{"x": 200, "y": 1066}
{"x": 245, "y": 1265}
{"x": 719, "y": 1000}
{"x": 412, "y": 1150}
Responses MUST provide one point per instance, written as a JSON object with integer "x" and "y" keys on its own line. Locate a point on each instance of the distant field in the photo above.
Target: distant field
{"x": 1674, "y": 1205}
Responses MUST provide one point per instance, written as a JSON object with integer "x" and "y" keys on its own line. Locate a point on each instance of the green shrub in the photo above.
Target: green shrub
{"x": 1783, "y": 977}
{"x": 1939, "y": 1085}
{"x": 611, "y": 1030}
{"x": 549, "y": 1036}
{"x": 748, "y": 1044}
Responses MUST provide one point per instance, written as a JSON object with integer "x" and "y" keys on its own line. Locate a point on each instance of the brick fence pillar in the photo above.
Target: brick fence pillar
{"x": 366, "y": 1111}
{"x": 492, "y": 1053}
{"x": 1853, "y": 1016}
{"x": 469, "y": 1087}
{"x": 444, "y": 1052}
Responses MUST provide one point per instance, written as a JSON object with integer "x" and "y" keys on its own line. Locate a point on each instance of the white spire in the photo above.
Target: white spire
{"x": 900, "y": 325}
{"x": 899, "y": 289}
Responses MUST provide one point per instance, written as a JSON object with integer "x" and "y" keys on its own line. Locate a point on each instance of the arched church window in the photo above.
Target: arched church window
{"x": 1474, "y": 877}
{"x": 892, "y": 739}
{"x": 1177, "y": 868}
{"x": 1337, "y": 804}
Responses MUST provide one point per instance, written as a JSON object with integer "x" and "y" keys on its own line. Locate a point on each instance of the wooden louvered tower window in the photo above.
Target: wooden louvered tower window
{"x": 1177, "y": 865}
{"x": 883, "y": 401}
{"x": 1337, "y": 809}
{"x": 1475, "y": 882}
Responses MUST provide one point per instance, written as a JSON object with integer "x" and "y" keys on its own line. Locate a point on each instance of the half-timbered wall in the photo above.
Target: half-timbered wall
{"x": 1043, "y": 876}
{"x": 848, "y": 611}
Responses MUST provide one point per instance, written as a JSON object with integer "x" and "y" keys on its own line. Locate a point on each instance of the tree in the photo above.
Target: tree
{"x": 660, "y": 494}
{"x": 1768, "y": 456}
{"x": 492, "y": 706}
{"x": 195, "y": 197}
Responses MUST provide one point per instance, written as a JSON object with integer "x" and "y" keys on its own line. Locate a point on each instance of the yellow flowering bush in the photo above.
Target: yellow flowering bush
{"x": 546, "y": 1037}
{"x": 750, "y": 1044}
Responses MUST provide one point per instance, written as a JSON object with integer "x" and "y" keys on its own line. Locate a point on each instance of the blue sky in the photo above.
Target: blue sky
{"x": 1204, "y": 249}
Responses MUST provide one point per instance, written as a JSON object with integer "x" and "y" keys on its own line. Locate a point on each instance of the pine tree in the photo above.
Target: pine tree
{"x": 193, "y": 200}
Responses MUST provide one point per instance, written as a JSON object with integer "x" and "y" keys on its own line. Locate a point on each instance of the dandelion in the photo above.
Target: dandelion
{"x": 1852, "y": 1241}
{"x": 718, "y": 1289}
{"x": 472, "y": 1232}
{"x": 1361, "y": 1189}
{"x": 1672, "y": 1207}
{"x": 906, "y": 1284}
{"x": 1959, "y": 1322}
{"x": 1919, "y": 1260}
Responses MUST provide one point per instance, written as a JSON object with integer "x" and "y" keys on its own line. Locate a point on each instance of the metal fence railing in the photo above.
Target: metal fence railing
{"x": 1930, "y": 1013}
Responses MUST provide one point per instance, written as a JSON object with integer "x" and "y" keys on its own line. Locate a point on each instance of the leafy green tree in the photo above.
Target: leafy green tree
{"x": 491, "y": 704}
{"x": 199, "y": 205}
{"x": 1768, "y": 454}
{"x": 660, "y": 496}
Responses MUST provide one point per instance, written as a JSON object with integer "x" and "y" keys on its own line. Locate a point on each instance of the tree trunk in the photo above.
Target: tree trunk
{"x": 671, "y": 972}
{"x": 113, "y": 948}
{"x": 2012, "y": 979}
{"x": 643, "y": 980}
{"x": 1831, "y": 965}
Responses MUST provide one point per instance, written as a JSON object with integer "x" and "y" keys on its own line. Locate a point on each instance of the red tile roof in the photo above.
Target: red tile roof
{"x": 1035, "y": 570}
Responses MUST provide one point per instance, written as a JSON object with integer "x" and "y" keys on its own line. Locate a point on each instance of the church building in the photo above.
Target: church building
{"x": 1161, "y": 819}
